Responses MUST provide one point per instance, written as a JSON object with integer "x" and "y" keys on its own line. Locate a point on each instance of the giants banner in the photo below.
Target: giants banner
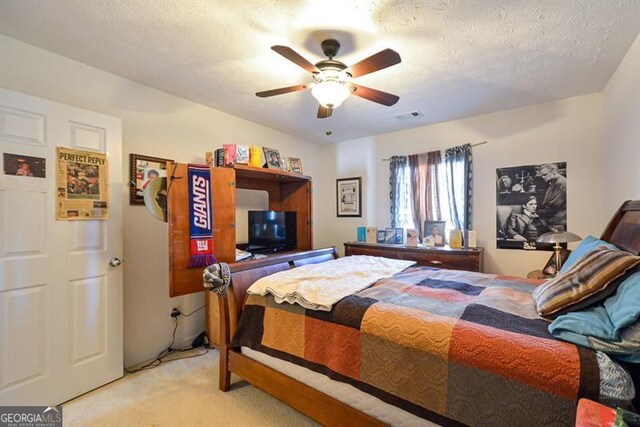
{"x": 200, "y": 217}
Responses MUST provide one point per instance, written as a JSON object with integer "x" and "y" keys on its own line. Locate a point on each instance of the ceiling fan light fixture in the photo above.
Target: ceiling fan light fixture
{"x": 330, "y": 94}
{"x": 331, "y": 88}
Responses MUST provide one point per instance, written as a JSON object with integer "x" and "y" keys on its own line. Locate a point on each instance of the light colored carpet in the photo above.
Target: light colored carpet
{"x": 180, "y": 393}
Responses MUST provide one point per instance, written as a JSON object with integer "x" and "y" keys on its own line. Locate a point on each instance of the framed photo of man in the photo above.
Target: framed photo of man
{"x": 434, "y": 233}
{"x": 349, "y": 197}
{"x": 142, "y": 170}
{"x": 530, "y": 200}
{"x": 273, "y": 159}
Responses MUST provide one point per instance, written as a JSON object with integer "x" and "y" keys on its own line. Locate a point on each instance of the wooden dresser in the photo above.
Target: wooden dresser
{"x": 442, "y": 257}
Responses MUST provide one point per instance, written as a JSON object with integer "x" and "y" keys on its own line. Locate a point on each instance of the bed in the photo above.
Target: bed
{"x": 463, "y": 349}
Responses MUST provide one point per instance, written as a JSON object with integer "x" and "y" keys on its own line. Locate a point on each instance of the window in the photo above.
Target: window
{"x": 424, "y": 187}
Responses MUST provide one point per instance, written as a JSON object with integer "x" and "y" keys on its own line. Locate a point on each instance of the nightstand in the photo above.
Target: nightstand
{"x": 537, "y": 274}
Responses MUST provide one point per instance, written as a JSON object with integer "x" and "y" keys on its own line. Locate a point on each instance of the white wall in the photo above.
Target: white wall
{"x": 566, "y": 130}
{"x": 621, "y": 144}
{"x": 156, "y": 124}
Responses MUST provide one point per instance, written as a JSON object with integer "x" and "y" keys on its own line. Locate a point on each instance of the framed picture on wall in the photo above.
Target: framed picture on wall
{"x": 349, "y": 197}
{"x": 142, "y": 170}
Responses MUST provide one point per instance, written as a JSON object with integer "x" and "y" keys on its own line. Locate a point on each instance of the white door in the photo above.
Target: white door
{"x": 60, "y": 299}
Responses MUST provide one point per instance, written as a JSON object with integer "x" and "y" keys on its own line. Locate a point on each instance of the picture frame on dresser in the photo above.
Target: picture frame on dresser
{"x": 434, "y": 233}
{"x": 349, "y": 197}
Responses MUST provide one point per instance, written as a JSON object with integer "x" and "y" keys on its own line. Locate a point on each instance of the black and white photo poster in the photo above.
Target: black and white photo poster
{"x": 531, "y": 200}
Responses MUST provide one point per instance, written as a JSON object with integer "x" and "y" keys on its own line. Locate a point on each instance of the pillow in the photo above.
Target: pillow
{"x": 588, "y": 244}
{"x": 623, "y": 308}
{"x": 626, "y": 347}
{"x": 589, "y": 280}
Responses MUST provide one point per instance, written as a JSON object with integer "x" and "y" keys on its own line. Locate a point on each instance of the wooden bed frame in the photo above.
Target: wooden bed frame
{"x": 623, "y": 231}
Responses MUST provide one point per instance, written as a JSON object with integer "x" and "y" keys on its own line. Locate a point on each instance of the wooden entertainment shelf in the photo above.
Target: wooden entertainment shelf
{"x": 287, "y": 192}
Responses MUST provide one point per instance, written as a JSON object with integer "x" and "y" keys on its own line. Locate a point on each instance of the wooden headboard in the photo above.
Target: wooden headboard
{"x": 624, "y": 228}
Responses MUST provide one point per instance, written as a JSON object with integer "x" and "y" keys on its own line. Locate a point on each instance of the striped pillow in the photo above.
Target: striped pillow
{"x": 587, "y": 281}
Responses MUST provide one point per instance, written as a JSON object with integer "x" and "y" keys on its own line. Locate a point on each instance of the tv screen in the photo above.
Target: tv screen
{"x": 272, "y": 231}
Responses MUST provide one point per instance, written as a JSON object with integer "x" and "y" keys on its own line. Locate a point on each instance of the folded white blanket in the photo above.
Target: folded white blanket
{"x": 319, "y": 286}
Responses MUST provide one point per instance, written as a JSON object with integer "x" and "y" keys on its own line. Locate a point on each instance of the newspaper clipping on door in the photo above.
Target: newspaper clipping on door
{"x": 82, "y": 179}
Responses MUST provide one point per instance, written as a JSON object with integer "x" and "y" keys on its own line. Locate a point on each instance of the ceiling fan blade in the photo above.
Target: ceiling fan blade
{"x": 280, "y": 91}
{"x": 383, "y": 59}
{"x": 324, "y": 112}
{"x": 294, "y": 57}
{"x": 375, "y": 95}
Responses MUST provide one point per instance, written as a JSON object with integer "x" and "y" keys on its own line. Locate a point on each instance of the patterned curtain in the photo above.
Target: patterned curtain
{"x": 400, "y": 192}
{"x": 423, "y": 173}
{"x": 434, "y": 164}
{"x": 458, "y": 164}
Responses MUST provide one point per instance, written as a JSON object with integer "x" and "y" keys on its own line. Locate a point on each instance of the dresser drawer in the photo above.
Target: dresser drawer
{"x": 450, "y": 262}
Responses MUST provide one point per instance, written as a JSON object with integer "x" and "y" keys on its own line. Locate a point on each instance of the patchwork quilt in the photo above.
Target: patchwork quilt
{"x": 452, "y": 347}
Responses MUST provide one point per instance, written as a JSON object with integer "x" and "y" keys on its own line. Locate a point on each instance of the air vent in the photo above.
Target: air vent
{"x": 409, "y": 115}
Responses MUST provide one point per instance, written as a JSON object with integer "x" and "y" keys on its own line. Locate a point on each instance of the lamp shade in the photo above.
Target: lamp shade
{"x": 558, "y": 237}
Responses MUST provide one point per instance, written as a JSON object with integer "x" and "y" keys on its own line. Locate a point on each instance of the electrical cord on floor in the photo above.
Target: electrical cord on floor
{"x": 160, "y": 358}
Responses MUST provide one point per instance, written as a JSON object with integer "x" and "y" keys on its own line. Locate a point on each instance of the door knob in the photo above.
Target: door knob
{"x": 115, "y": 262}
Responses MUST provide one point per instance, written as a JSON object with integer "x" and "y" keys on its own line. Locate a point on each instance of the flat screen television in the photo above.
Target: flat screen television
{"x": 272, "y": 231}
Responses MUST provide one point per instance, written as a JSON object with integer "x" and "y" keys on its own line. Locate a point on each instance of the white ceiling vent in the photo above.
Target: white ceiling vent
{"x": 409, "y": 115}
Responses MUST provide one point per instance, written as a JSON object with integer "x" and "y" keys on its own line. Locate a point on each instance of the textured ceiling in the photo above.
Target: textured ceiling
{"x": 459, "y": 58}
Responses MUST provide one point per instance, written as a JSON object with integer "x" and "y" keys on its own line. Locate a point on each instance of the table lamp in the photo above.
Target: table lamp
{"x": 558, "y": 237}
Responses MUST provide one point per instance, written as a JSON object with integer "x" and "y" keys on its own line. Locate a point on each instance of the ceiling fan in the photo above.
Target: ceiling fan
{"x": 333, "y": 80}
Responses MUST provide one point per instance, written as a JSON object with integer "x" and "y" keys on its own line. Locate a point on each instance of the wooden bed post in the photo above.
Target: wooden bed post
{"x": 225, "y": 337}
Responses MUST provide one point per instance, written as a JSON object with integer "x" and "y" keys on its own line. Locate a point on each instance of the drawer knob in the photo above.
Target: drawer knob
{"x": 436, "y": 262}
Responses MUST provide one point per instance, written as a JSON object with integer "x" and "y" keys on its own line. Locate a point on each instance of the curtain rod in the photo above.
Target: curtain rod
{"x": 473, "y": 145}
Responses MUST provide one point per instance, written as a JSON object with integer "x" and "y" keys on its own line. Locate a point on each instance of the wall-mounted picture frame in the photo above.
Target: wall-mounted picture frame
{"x": 550, "y": 269}
{"x": 143, "y": 169}
{"x": 21, "y": 165}
{"x": 349, "y": 197}
{"x": 295, "y": 165}
{"x": 434, "y": 233}
{"x": 273, "y": 159}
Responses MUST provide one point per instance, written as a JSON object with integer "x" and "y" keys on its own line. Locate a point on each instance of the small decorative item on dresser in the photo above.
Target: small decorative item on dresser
{"x": 412, "y": 237}
{"x": 434, "y": 233}
{"x": 394, "y": 236}
{"x": 272, "y": 157}
{"x": 455, "y": 238}
{"x": 381, "y": 236}
{"x": 371, "y": 233}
